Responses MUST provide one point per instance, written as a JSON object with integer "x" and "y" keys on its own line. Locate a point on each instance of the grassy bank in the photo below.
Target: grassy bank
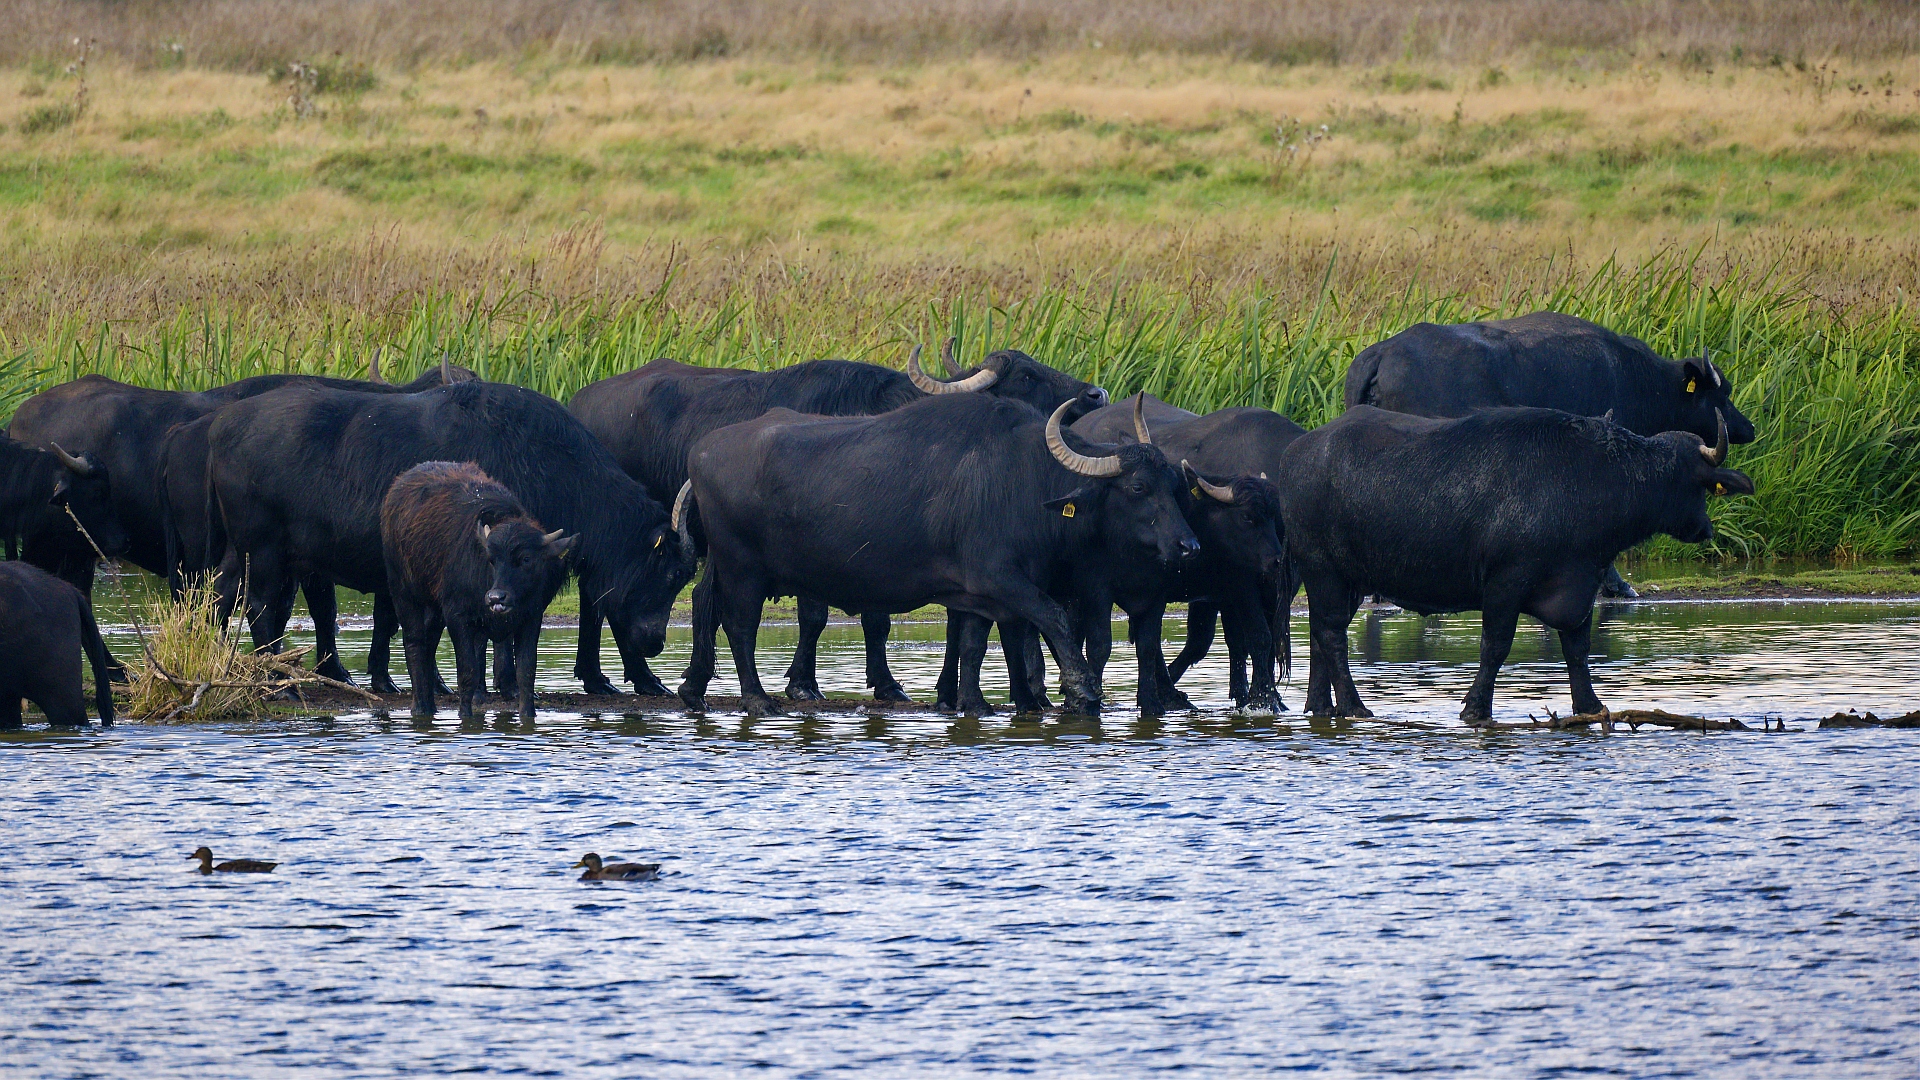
{"x": 1215, "y": 227}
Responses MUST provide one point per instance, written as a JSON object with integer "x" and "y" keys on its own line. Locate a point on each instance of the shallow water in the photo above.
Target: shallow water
{"x": 919, "y": 894}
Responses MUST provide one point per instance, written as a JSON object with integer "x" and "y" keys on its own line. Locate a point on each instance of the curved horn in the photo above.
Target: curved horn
{"x": 485, "y": 530}
{"x": 680, "y": 508}
{"x": 1716, "y": 453}
{"x": 373, "y": 367}
{"x": 946, "y": 357}
{"x": 78, "y": 467}
{"x": 979, "y": 380}
{"x": 549, "y": 538}
{"x": 1078, "y": 462}
{"x": 1219, "y": 492}
{"x": 446, "y": 371}
{"x": 1140, "y": 431}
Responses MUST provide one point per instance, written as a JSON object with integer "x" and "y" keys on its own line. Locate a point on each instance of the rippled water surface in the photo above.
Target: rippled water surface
{"x": 919, "y": 895}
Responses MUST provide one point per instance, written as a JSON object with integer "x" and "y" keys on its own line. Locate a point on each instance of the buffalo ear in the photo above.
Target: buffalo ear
{"x": 1070, "y": 504}
{"x": 559, "y": 547}
{"x": 62, "y": 488}
{"x": 1728, "y": 482}
{"x": 1696, "y": 375}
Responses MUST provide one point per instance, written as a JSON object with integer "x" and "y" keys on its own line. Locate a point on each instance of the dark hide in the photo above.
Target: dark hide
{"x": 954, "y": 500}
{"x": 122, "y": 427}
{"x": 463, "y": 554}
{"x": 650, "y": 417}
{"x": 299, "y": 476}
{"x": 1545, "y": 360}
{"x": 45, "y": 626}
{"x": 1505, "y": 511}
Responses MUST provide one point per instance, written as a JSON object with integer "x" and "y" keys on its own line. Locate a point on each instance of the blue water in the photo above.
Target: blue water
{"x": 919, "y": 895}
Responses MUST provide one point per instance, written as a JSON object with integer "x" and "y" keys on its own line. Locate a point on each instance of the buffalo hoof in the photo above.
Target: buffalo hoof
{"x": 694, "y": 700}
{"x": 382, "y": 684}
{"x": 335, "y": 670}
{"x": 117, "y": 674}
{"x": 650, "y": 686}
{"x": 1475, "y": 718}
{"x": 598, "y": 685}
{"x": 804, "y": 691}
{"x": 977, "y": 707}
{"x": 1179, "y": 701}
{"x": 1615, "y": 587}
{"x": 1262, "y": 704}
{"x": 1080, "y": 705}
{"x": 891, "y": 692}
{"x": 759, "y": 705}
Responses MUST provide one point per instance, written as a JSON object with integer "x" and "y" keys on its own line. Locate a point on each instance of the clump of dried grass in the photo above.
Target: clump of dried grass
{"x": 195, "y": 670}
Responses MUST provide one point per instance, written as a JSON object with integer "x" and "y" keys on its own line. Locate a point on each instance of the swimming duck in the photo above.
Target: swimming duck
{"x": 620, "y": 871}
{"x": 231, "y": 866}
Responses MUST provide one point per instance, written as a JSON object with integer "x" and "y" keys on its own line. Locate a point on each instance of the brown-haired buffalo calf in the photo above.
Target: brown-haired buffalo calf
{"x": 44, "y": 625}
{"x": 463, "y": 553}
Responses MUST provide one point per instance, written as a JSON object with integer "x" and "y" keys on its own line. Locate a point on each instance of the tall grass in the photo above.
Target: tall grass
{"x": 1835, "y": 394}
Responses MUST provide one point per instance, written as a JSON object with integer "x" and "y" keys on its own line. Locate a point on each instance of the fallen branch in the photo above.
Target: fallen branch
{"x": 1633, "y": 718}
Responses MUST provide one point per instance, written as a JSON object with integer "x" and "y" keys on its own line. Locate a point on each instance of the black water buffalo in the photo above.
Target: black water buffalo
{"x": 1504, "y": 511}
{"x": 964, "y": 500}
{"x": 45, "y": 627}
{"x": 1243, "y": 441}
{"x": 462, "y": 554}
{"x": 1551, "y": 361}
{"x": 124, "y": 428}
{"x": 1236, "y": 523}
{"x": 39, "y": 487}
{"x": 650, "y": 417}
{"x": 299, "y": 476}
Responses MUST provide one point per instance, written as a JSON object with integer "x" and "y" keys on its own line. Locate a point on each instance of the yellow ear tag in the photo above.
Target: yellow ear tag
{"x": 1719, "y": 489}
{"x": 1196, "y": 493}
{"x": 1067, "y": 510}
{"x": 1690, "y": 385}
{"x": 661, "y": 539}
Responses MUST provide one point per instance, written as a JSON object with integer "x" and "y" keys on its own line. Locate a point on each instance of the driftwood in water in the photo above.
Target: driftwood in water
{"x": 1632, "y": 718}
{"x": 1851, "y": 719}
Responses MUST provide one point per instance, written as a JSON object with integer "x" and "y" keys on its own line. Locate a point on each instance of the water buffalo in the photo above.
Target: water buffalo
{"x": 463, "y": 554}
{"x": 1551, "y": 361}
{"x": 299, "y": 476}
{"x": 124, "y": 428}
{"x": 650, "y": 417}
{"x": 1504, "y": 511}
{"x": 45, "y": 625}
{"x": 964, "y": 500}
{"x": 39, "y": 487}
{"x": 1244, "y": 441}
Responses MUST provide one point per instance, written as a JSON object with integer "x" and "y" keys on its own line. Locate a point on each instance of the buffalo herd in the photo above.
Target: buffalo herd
{"x": 1498, "y": 467}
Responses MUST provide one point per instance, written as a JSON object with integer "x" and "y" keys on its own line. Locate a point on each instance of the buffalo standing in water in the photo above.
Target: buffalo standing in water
{"x": 1505, "y": 511}
{"x": 45, "y": 626}
{"x": 1550, "y": 361}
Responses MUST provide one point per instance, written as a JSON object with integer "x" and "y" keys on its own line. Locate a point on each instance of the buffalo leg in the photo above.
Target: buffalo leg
{"x": 420, "y": 639}
{"x": 1156, "y": 693}
{"x": 1575, "y": 645}
{"x": 1496, "y": 640}
{"x": 1330, "y": 609}
{"x": 972, "y": 652}
{"x": 701, "y": 662}
{"x": 469, "y": 665}
{"x": 324, "y": 609}
{"x": 946, "y": 692}
{"x": 586, "y": 658}
{"x": 1026, "y": 667}
{"x": 79, "y": 573}
{"x": 741, "y": 604}
{"x": 10, "y": 719}
{"x": 1095, "y": 626}
{"x": 506, "y": 668}
{"x": 1248, "y": 626}
{"x": 875, "y": 628}
{"x": 1613, "y": 586}
{"x": 526, "y": 654}
{"x": 1079, "y": 686}
{"x": 1202, "y": 618}
{"x": 802, "y": 685}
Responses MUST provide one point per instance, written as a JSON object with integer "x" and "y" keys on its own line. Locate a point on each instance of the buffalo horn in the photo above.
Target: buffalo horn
{"x": 1716, "y": 453}
{"x": 552, "y": 536}
{"x": 946, "y": 357}
{"x": 1219, "y": 492}
{"x": 446, "y": 371}
{"x": 373, "y": 367}
{"x": 485, "y": 531}
{"x": 1078, "y": 462}
{"x": 979, "y": 380}
{"x": 1140, "y": 432}
{"x": 79, "y": 468}
{"x": 680, "y": 507}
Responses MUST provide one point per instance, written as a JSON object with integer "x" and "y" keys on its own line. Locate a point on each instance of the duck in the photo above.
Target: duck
{"x": 620, "y": 871}
{"x": 231, "y": 866}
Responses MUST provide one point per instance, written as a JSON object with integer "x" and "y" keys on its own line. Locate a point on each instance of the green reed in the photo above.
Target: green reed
{"x": 1835, "y": 394}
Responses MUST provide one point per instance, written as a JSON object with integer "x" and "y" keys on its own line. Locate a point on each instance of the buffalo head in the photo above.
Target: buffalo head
{"x": 1133, "y": 491}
